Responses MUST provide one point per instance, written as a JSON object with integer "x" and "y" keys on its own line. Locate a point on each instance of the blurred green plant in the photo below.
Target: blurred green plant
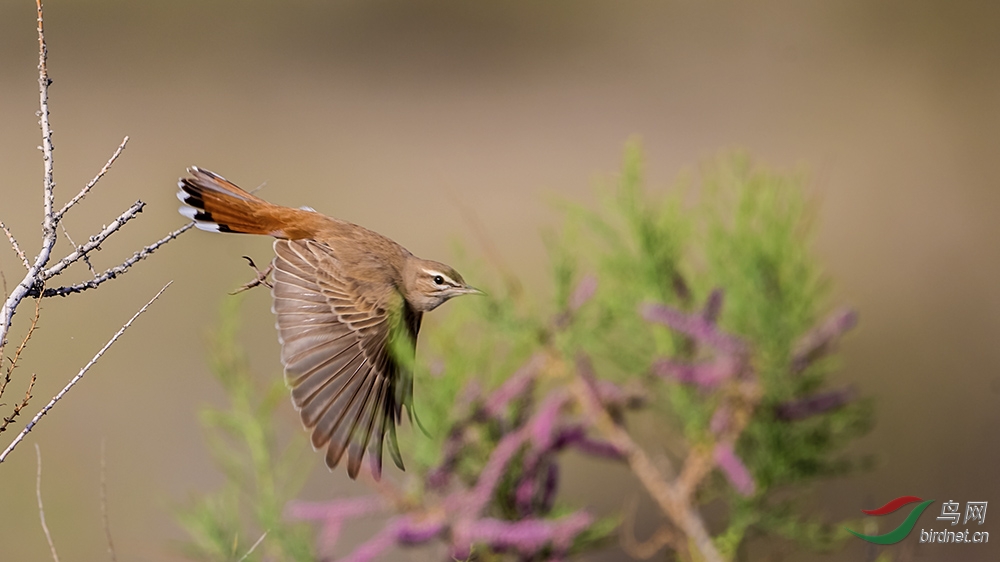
{"x": 260, "y": 476}
{"x": 744, "y": 230}
{"x": 749, "y": 234}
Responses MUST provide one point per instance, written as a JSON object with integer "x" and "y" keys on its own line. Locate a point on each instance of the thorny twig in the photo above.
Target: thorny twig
{"x": 86, "y": 258}
{"x": 20, "y": 406}
{"x": 86, "y": 189}
{"x": 117, "y": 270}
{"x": 17, "y": 248}
{"x": 20, "y": 348}
{"x": 78, "y": 376}
{"x": 49, "y": 223}
{"x": 94, "y": 242}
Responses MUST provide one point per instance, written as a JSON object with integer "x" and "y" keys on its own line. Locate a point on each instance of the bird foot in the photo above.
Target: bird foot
{"x": 260, "y": 280}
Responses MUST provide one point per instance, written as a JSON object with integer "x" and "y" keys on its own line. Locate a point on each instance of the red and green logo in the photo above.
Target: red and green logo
{"x": 899, "y": 533}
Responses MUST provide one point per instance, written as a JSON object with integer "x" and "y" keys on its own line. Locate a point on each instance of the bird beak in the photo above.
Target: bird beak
{"x": 467, "y": 290}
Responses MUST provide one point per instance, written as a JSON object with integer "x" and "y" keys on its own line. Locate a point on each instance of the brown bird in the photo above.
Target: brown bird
{"x": 348, "y": 303}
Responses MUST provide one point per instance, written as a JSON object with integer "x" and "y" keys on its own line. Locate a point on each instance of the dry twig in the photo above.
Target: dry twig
{"x": 41, "y": 507}
{"x": 94, "y": 242}
{"x": 17, "y": 248}
{"x": 674, "y": 500}
{"x": 104, "y": 502}
{"x": 86, "y": 189}
{"x": 253, "y": 547}
{"x": 86, "y": 258}
{"x": 114, "y": 272}
{"x": 20, "y": 406}
{"x": 20, "y": 348}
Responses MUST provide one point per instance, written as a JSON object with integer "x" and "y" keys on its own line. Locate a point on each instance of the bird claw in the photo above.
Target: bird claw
{"x": 260, "y": 280}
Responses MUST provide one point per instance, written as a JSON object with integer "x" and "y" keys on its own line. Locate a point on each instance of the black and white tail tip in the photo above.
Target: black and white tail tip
{"x": 189, "y": 193}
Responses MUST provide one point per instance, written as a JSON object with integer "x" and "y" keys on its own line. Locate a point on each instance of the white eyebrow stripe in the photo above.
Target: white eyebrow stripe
{"x": 450, "y": 281}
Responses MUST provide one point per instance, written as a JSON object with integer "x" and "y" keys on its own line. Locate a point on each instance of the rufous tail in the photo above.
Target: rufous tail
{"x": 218, "y": 205}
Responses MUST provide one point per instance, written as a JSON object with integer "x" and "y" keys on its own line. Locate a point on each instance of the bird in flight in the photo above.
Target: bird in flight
{"x": 348, "y": 304}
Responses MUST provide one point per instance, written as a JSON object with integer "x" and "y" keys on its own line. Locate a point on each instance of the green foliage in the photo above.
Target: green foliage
{"x": 748, "y": 234}
{"x": 260, "y": 477}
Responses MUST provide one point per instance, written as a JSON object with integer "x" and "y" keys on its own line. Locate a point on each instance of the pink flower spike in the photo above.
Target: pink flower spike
{"x": 544, "y": 421}
{"x": 707, "y": 375}
{"x": 720, "y": 420}
{"x": 515, "y": 386}
{"x": 332, "y": 515}
{"x": 584, "y": 291}
{"x": 529, "y": 536}
{"x": 335, "y": 509}
{"x": 695, "y": 326}
{"x": 734, "y": 469}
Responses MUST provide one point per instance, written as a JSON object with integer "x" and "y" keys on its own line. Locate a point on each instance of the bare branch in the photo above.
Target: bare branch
{"x": 49, "y": 222}
{"x": 86, "y": 189}
{"x": 675, "y": 504}
{"x": 95, "y": 241}
{"x": 104, "y": 503}
{"x": 38, "y": 493}
{"x": 86, "y": 259}
{"x": 78, "y": 377}
{"x": 13, "y": 244}
{"x": 117, "y": 270}
{"x": 31, "y": 278}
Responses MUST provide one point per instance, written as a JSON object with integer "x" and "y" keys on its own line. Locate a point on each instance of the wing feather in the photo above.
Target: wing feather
{"x": 336, "y": 339}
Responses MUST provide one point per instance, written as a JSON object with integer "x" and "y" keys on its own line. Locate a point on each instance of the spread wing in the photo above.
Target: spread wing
{"x": 341, "y": 346}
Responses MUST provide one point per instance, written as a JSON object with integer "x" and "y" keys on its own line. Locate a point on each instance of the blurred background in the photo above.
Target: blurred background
{"x": 386, "y": 113}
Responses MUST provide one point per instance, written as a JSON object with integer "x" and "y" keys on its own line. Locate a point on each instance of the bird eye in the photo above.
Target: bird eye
{"x": 439, "y": 280}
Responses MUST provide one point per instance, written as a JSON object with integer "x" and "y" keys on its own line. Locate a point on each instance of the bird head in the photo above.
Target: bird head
{"x": 428, "y": 284}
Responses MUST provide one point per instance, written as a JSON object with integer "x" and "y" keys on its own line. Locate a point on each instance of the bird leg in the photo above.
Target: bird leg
{"x": 261, "y": 278}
